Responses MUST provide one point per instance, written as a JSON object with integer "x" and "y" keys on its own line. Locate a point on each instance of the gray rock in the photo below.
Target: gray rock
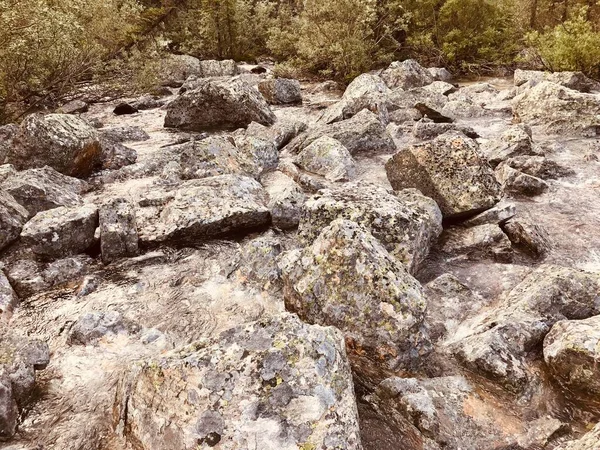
{"x": 295, "y": 391}
{"x": 12, "y": 218}
{"x": 8, "y": 298}
{"x": 558, "y": 109}
{"x": 328, "y": 157}
{"x": 197, "y": 210}
{"x": 258, "y": 263}
{"x": 124, "y": 134}
{"x": 441, "y": 87}
{"x": 214, "y": 68}
{"x": 280, "y": 133}
{"x": 93, "y": 326}
{"x": 423, "y": 99}
{"x": 177, "y": 68}
{"x": 463, "y": 109}
{"x": 478, "y": 242}
{"x": 407, "y": 74}
{"x": 539, "y": 166}
{"x": 214, "y": 155}
{"x": 61, "y": 231}
{"x": 115, "y": 155}
{"x": 257, "y": 155}
{"x": 41, "y": 189}
{"x": 427, "y": 130}
{"x": 347, "y": 279}
{"x": 363, "y": 133}
{"x": 496, "y": 343}
{"x": 499, "y": 214}
{"x": 280, "y": 91}
{"x": 515, "y": 141}
{"x": 62, "y": 141}
{"x": 406, "y": 224}
{"x": 285, "y": 199}
{"x": 218, "y": 104}
{"x": 451, "y": 170}
{"x": 589, "y": 441}
{"x": 73, "y": 107}
{"x": 118, "y": 232}
{"x": 440, "y": 74}
{"x": 527, "y": 236}
{"x": 8, "y": 135}
{"x": 518, "y": 183}
{"x": 572, "y": 80}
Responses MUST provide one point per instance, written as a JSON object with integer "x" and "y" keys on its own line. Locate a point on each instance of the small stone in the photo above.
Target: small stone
{"x": 123, "y": 109}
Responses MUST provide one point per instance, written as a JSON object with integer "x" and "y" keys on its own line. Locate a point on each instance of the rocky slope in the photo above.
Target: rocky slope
{"x": 243, "y": 262}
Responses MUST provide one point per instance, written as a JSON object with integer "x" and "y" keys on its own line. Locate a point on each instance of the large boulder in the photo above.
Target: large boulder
{"x": 197, "y": 210}
{"x": 277, "y": 384}
{"x": 571, "y": 80}
{"x": 118, "y": 231}
{"x": 572, "y": 352}
{"x": 327, "y": 157}
{"x": 12, "y": 218}
{"x": 407, "y": 74}
{"x": 515, "y": 141}
{"x": 61, "y": 231}
{"x": 363, "y": 133}
{"x": 406, "y": 224}
{"x": 177, "y": 68}
{"x": 41, "y": 189}
{"x": 451, "y": 170}
{"x": 496, "y": 343}
{"x": 280, "y": 91}
{"x": 218, "y": 104}
{"x": 518, "y": 183}
{"x": 62, "y": 141}
{"x": 558, "y": 109}
{"x": 347, "y": 279}
{"x": 285, "y": 199}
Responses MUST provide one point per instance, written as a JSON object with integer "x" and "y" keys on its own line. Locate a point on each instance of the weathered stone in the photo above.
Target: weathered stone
{"x": 540, "y": 167}
{"x": 115, "y": 155}
{"x": 124, "y": 134}
{"x": 8, "y": 298}
{"x": 441, "y": 87}
{"x": 496, "y": 343}
{"x": 214, "y": 68}
{"x": 407, "y": 74}
{"x": 349, "y": 280}
{"x": 515, "y": 141}
{"x": 477, "y": 242}
{"x": 306, "y": 181}
{"x": 527, "y": 236}
{"x": 279, "y": 133}
{"x": 214, "y": 155}
{"x": 61, "y": 231}
{"x": 589, "y": 441}
{"x": 12, "y": 218}
{"x": 422, "y": 99}
{"x": 518, "y": 183}
{"x": 118, "y": 232}
{"x": 257, "y": 155}
{"x": 73, "y": 107}
{"x": 406, "y": 224}
{"x": 218, "y": 104}
{"x": 285, "y": 199}
{"x": 258, "y": 263}
{"x": 498, "y": 215}
{"x": 572, "y": 80}
{"x": 559, "y": 109}
{"x": 91, "y": 327}
{"x": 279, "y": 91}
{"x": 463, "y": 109}
{"x": 8, "y": 135}
{"x": 224, "y": 205}
{"x": 177, "y": 68}
{"x": 328, "y": 157}
{"x": 363, "y": 133}
{"x": 62, "y": 141}
{"x": 451, "y": 170}
{"x": 426, "y": 130}
{"x": 37, "y": 190}
{"x": 295, "y": 391}
{"x": 440, "y": 74}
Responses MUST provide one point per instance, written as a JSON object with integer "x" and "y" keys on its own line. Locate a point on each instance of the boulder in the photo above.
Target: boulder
{"x": 518, "y": 183}
{"x": 118, "y": 232}
{"x": 588, "y": 441}
{"x": 451, "y": 170}
{"x": 425, "y": 101}
{"x": 8, "y": 298}
{"x": 285, "y": 199}
{"x": 115, "y": 155}
{"x": 407, "y": 74}
{"x": 12, "y": 218}
{"x": 539, "y": 167}
{"x": 572, "y": 80}
{"x": 559, "y": 110}
{"x": 277, "y": 384}
{"x": 258, "y": 262}
{"x": 214, "y": 155}
{"x": 497, "y": 343}
{"x": 426, "y": 130}
{"x": 41, "y": 189}
{"x": 73, "y": 107}
{"x": 527, "y": 236}
{"x": 515, "y": 141}
{"x": 280, "y": 91}
{"x": 20, "y": 358}
{"x": 124, "y": 134}
{"x": 61, "y": 231}
{"x": 177, "y": 68}
{"x": 441, "y": 87}
{"x": 572, "y": 353}
{"x": 406, "y": 224}
{"x": 478, "y": 242}
{"x": 440, "y": 74}
{"x": 498, "y": 215}
{"x": 124, "y": 108}
{"x": 347, "y": 279}
{"x": 217, "y": 104}
{"x": 8, "y": 135}
{"x": 214, "y": 68}
{"x": 279, "y": 133}
{"x": 197, "y": 210}
{"x": 257, "y": 156}
{"x": 465, "y": 108}
{"x": 327, "y": 157}
{"x": 62, "y": 141}
{"x": 363, "y": 133}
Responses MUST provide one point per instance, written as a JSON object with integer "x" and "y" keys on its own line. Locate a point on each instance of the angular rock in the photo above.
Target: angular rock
{"x": 62, "y": 141}
{"x": 407, "y": 74}
{"x": 73, "y": 107}
{"x": 426, "y": 130}
{"x": 124, "y": 134}
{"x": 257, "y": 155}
{"x": 115, "y": 155}
{"x": 12, "y": 218}
{"x": 61, "y": 231}
{"x": 295, "y": 392}
{"x": 527, "y": 236}
{"x": 440, "y": 74}
{"x": 518, "y": 183}
{"x": 572, "y": 352}
{"x": 515, "y": 141}
{"x": 589, "y": 441}
{"x": 463, "y": 109}
{"x": 441, "y": 87}
{"x": 477, "y": 242}
{"x": 422, "y": 99}
{"x": 285, "y": 199}
{"x": 214, "y": 68}
{"x": 406, "y": 224}
{"x": 91, "y": 327}
{"x": 328, "y": 157}
{"x": 8, "y": 135}
{"x": 572, "y": 80}
{"x": 451, "y": 170}
{"x": 214, "y": 155}
{"x": 363, "y": 133}
{"x": 280, "y": 91}
{"x": 41, "y": 189}
{"x": 118, "y": 232}
{"x": 499, "y": 214}
{"x": 559, "y": 109}
{"x": 177, "y": 68}
{"x": 497, "y": 343}
{"x": 8, "y": 298}
{"x": 539, "y": 167}
{"x": 197, "y": 210}
{"x": 216, "y": 104}
{"x": 279, "y": 133}
{"x": 258, "y": 264}
{"x": 347, "y": 279}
